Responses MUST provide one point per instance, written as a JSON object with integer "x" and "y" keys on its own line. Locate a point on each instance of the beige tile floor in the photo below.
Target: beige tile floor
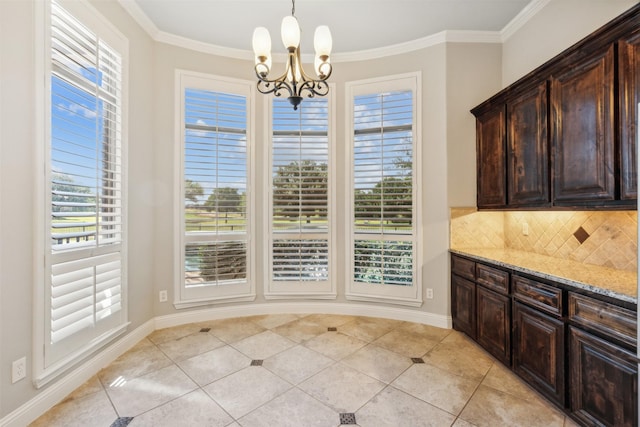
{"x": 202, "y": 375}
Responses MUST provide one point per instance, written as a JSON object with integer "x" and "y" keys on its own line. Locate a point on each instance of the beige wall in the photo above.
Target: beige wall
{"x": 559, "y": 25}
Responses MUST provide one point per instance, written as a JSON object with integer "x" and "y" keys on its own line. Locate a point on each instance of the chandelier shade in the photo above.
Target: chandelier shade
{"x": 294, "y": 81}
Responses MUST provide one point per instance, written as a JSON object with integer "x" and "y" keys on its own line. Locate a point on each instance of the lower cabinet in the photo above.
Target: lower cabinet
{"x": 493, "y": 326}
{"x": 463, "y": 305}
{"x": 604, "y": 381}
{"x": 538, "y": 351}
{"x": 575, "y": 348}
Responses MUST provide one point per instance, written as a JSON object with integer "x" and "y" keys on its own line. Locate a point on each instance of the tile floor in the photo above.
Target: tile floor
{"x": 296, "y": 370}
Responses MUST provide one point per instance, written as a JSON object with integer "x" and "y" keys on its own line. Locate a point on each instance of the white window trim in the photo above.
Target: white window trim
{"x": 245, "y": 291}
{"x": 88, "y": 15}
{"x": 308, "y": 289}
{"x": 402, "y": 295}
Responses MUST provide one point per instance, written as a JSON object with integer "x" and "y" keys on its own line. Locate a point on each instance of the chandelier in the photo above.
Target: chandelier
{"x": 294, "y": 81}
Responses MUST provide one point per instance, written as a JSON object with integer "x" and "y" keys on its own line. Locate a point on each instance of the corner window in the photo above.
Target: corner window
{"x": 214, "y": 195}
{"x": 384, "y": 196}
{"x": 85, "y": 198}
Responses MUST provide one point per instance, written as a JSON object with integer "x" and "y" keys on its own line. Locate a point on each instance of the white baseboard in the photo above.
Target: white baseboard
{"x": 52, "y": 395}
{"x": 67, "y": 383}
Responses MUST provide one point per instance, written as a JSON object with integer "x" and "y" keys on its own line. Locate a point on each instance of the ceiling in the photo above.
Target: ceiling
{"x": 356, "y": 25}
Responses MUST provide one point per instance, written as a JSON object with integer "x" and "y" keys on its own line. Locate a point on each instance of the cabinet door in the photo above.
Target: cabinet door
{"x": 463, "y": 305}
{"x": 582, "y": 131}
{"x": 629, "y": 96}
{"x": 527, "y": 153}
{"x": 493, "y": 326}
{"x": 491, "y": 179}
{"x": 538, "y": 351}
{"x": 604, "y": 381}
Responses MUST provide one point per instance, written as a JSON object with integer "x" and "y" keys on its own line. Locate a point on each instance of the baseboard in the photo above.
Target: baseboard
{"x": 300, "y": 307}
{"x": 52, "y": 395}
{"x": 67, "y": 383}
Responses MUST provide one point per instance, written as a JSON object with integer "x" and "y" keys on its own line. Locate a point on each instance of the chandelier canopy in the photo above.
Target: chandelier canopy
{"x": 294, "y": 81}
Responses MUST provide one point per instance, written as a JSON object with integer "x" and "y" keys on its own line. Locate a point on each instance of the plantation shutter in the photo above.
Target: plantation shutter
{"x": 300, "y": 212}
{"x": 383, "y": 223}
{"x": 215, "y": 188}
{"x": 85, "y": 228}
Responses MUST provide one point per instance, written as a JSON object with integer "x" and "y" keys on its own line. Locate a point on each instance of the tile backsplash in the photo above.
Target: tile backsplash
{"x": 607, "y": 238}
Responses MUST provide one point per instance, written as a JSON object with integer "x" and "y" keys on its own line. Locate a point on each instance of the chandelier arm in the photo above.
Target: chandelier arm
{"x": 279, "y": 83}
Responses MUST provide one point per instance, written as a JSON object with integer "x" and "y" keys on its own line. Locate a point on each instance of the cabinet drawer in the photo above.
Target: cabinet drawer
{"x": 492, "y": 278}
{"x": 610, "y": 320}
{"x": 540, "y": 295}
{"x": 463, "y": 267}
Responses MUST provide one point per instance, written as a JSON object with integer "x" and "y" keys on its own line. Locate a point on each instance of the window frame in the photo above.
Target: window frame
{"x": 48, "y": 363}
{"x": 394, "y": 294}
{"x": 306, "y": 289}
{"x": 238, "y": 292}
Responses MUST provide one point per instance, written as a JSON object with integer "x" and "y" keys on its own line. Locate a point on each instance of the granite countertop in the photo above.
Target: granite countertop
{"x": 619, "y": 284}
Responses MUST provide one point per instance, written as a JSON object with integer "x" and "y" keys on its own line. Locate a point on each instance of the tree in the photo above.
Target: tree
{"x": 300, "y": 190}
{"x": 64, "y": 190}
{"x": 192, "y": 190}
{"x": 224, "y": 199}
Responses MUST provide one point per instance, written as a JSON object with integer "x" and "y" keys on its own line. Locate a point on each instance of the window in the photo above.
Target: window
{"x": 214, "y": 195}
{"x": 300, "y": 220}
{"x": 85, "y": 262}
{"x": 384, "y": 196}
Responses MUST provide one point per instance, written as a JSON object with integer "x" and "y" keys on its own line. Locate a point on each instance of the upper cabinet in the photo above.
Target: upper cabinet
{"x": 527, "y": 148}
{"x": 629, "y": 98}
{"x": 565, "y": 135}
{"x": 490, "y": 131}
{"x": 582, "y": 131}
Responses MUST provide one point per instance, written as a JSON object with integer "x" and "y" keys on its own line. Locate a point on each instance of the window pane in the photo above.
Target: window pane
{"x": 215, "y": 187}
{"x": 216, "y": 263}
{"x": 383, "y": 262}
{"x": 383, "y": 188}
{"x": 300, "y": 185}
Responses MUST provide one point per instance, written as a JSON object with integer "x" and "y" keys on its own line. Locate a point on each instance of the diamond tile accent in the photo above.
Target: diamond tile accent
{"x": 330, "y": 329}
{"x": 417, "y": 360}
{"x": 348, "y": 418}
{"x": 205, "y": 329}
{"x": 256, "y": 362}
{"x": 122, "y": 422}
{"x": 581, "y": 235}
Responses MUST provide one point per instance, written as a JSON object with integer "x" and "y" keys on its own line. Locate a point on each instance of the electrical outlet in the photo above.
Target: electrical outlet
{"x": 163, "y": 296}
{"x": 429, "y": 293}
{"x": 525, "y": 229}
{"x": 18, "y": 369}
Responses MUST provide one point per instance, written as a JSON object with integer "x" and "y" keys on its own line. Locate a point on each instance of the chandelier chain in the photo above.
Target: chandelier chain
{"x": 293, "y": 8}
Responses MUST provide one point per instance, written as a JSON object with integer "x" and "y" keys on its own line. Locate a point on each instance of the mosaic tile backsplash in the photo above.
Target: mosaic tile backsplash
{"x": 593, "y": 237}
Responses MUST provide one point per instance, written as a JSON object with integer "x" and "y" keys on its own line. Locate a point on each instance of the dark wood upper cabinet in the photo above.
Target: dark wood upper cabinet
{"x": 582, "y": 132}
{"x": 565, "y": 135}
{"x": 629, "y": 97}
{"x": 527, "y": 152}
{"x": 490, "y": 131}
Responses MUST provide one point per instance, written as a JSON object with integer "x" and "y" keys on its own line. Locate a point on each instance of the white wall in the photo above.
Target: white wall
{"x": 559, "y": 25}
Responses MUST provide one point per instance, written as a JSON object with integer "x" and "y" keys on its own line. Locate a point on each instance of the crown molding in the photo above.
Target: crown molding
{"x": 522, "y": 18}
{"x": 382, "y": 52}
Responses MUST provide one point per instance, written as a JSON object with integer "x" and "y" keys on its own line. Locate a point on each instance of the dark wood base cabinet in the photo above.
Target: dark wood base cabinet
{"x": 604, "y": 381}
{"x": 576, "y": 348}
{"x": 538, "y": 351}
{"x": 494, "y": 323}
{"x": 463, "y": 298}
